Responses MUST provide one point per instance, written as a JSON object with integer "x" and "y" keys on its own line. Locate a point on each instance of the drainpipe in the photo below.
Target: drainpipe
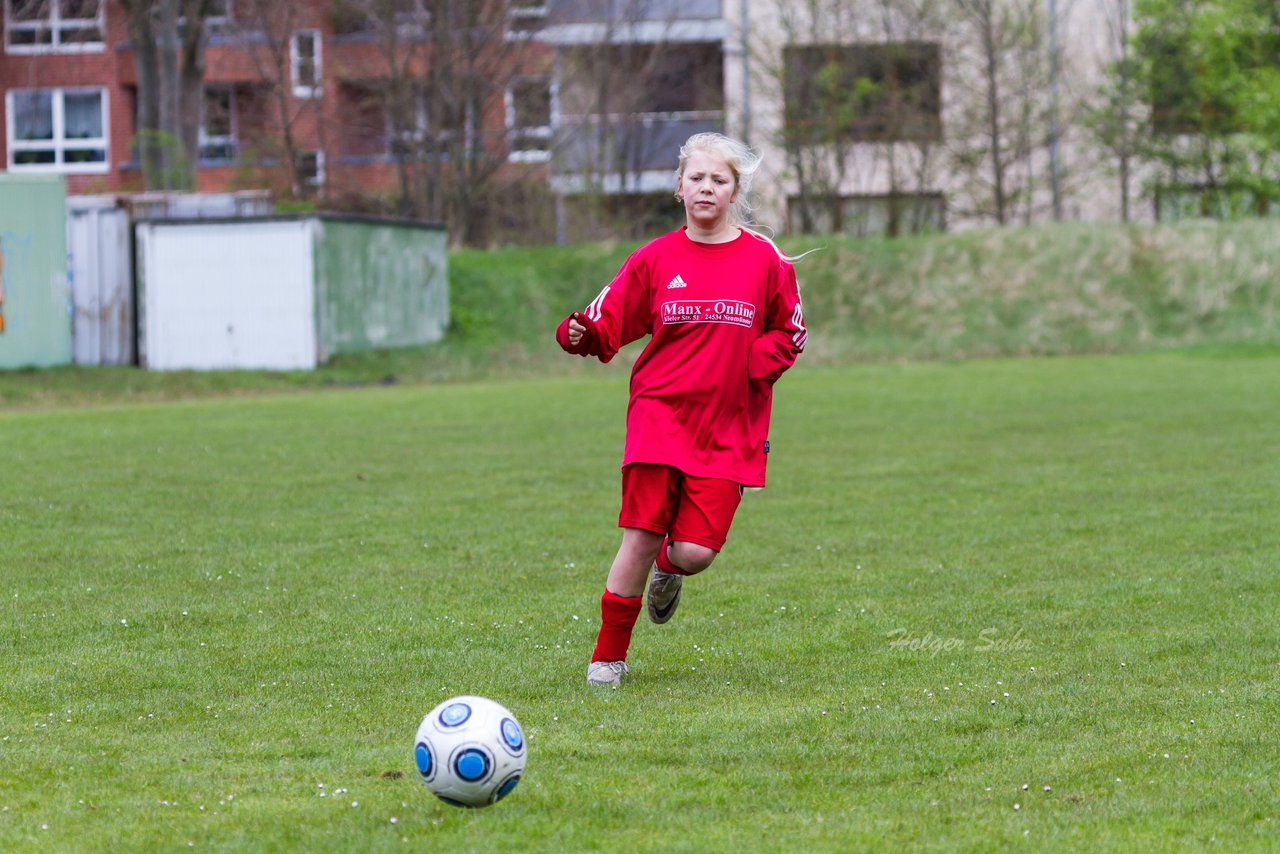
{"x": 1055, "y": 167}
{"x": 557, "y": 140}
{"x": 746, "y": 71}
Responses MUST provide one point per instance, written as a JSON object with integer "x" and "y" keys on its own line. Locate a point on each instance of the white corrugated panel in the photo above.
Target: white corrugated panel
{"x": 101, "y": 281}
{"x": 227, "y": 295}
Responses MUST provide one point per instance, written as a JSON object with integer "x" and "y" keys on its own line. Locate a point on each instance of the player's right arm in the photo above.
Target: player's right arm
{"x": 617, "y": 316}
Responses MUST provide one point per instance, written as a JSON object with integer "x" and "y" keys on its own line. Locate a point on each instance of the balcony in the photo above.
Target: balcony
{"x": 606, "y": 11}
{"x": 571, "y": 22}
{"x": 633, "y": 153}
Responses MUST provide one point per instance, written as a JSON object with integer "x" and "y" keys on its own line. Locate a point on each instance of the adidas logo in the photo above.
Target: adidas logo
{"x": 677, "y": 282}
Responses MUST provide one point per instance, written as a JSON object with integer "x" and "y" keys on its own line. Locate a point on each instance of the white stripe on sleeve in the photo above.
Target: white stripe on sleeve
{"x": 593, "y": 310}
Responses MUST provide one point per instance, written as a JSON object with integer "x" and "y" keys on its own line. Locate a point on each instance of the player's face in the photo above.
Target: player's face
{"x": 707, "y": 186}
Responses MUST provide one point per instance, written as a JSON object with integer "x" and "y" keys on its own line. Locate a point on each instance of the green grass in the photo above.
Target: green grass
{"x": 208, "y": 608}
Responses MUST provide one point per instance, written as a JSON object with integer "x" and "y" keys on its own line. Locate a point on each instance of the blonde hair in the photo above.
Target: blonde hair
{"x": 744, "y": 163}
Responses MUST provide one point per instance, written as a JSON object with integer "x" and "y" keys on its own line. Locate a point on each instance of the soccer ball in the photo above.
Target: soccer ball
{"x": 470, "y": 751}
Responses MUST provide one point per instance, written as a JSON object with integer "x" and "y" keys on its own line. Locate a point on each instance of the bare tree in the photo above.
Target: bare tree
{"x": 914, "y": 120}
{"x": 470, "y": 68}
{"x": 801, "y": 70}
{"x": 266, "y": 30}
{"x": 1118, "y": 116}
{"x": 391, "y": 84}
{"x": 168, "y": 39}
{"x": 442, "y": 73}
{"x": 860, "y": 86}
{"x": 626, "y": 104}
{"x": 1001, "y": 76}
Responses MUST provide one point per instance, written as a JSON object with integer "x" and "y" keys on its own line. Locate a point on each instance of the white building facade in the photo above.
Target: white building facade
{"x": 873, "y": 116}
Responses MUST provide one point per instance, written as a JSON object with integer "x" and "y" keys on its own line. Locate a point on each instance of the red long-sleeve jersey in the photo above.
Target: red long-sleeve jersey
{"x": 726, "y": 321}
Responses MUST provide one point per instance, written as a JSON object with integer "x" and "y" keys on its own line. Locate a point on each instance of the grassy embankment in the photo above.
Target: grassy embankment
{"x": 1071, "y": 289}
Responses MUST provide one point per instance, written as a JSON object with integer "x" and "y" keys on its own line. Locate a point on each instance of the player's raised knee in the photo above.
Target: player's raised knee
{"x": 692, "y": 557}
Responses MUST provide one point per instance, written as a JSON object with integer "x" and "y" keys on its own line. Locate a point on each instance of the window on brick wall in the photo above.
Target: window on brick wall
{"x": 409, "y": 18}
{"x": 218, "y": 125}
{"x": 219, "y": 13}
{"x": 310, "y": 168}
{"x": 863, "y": 92}
{"x": 35, "y": 26}
{"x": 304, "y": 63}
{"x": 217, "y": 17}
{"x": 410, "y": 131}
{"x": 407, "y": 126}
{"x": 525, "y": 18}
{"x": 361, "y": 125}
{"x": 529, "y": 120}
{"x": 57, "y": 130}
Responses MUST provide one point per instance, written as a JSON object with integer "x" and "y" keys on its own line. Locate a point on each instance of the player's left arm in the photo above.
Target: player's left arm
{"x": 784, "y": 334}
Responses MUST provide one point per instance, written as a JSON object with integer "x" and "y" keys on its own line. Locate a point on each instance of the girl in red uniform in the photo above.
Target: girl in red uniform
{"x": 723, "y": 309}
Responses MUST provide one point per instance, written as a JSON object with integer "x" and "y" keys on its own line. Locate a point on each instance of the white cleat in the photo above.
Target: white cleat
{"x": 608, "y": 673}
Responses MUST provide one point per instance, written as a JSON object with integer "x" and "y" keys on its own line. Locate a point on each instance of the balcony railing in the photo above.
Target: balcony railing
{"x": 626, "y": 145}
{"x": 561, "y": 12}
{"x": 572, "y": 22}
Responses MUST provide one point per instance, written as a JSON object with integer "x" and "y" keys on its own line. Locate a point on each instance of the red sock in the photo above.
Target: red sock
{"x": 617, "y": 618}
{"x": 664, "y": 561}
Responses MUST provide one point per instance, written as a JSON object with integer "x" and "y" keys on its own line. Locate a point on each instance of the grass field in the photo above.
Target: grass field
{"x": 982, "y": 604}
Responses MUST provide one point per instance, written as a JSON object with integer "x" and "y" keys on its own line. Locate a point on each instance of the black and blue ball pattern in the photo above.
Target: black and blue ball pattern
{"x": 470, "y": 751}
{"x": 472, "y": 764}
{"x": 508, "y": 785}
{"x": 425, "y": 761}
{"x": 455, "y": 715}
{"x": 512, "y": 737}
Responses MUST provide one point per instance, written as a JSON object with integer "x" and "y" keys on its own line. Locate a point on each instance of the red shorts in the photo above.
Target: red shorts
{"x": 664, "y": 500}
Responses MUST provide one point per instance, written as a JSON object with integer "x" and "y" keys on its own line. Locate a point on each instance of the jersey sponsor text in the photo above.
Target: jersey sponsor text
{"x": 735, "y": 312}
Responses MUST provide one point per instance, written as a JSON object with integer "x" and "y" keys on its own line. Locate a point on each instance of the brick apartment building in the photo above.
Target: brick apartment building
{"x": 594, "y": 99}
{"x": 70, "y": 87}
{"x": 68, "y": 76}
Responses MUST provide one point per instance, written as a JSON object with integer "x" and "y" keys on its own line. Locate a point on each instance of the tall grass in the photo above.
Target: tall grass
{"x": 1067, "y": 289}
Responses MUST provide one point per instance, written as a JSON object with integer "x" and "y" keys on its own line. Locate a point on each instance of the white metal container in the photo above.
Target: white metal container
{"x": 218, "y": 295}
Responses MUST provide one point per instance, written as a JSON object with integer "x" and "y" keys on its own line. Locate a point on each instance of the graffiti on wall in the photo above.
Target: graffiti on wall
{"x": 15, "y": 267}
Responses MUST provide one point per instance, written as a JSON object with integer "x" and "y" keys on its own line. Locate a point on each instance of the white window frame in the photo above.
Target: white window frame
{"x": 56, "y": 25}
{"x": 59, "y": 143}
{"x": 221, "y": 22}
{"x": 302, "y": 90}
{"x": 214, "y": 24}
{"x": 319, "y": 179}
{"x": 207, "y": 140}
{"x": 412, "y": 138}
{"x": 517, "y": 15}
{"x": 411, "y": 19}
{"x": 516, "y": 132}
{"x": 409, "y": 138}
